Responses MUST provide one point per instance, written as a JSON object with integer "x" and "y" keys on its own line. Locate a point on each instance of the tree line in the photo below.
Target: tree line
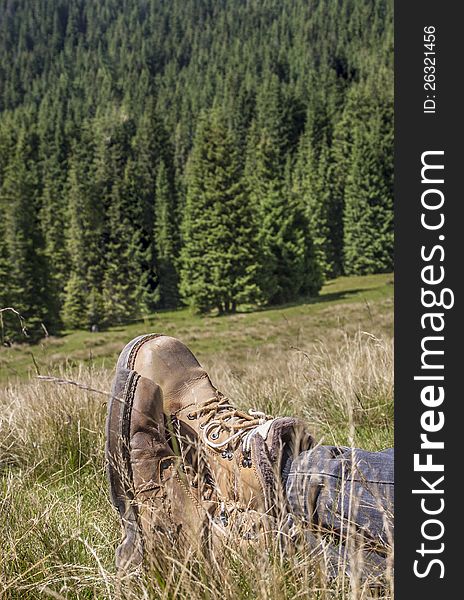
{"x": 211, "y": 153}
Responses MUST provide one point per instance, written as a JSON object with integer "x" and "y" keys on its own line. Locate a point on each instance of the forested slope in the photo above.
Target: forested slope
{"x": 208, "y": 152}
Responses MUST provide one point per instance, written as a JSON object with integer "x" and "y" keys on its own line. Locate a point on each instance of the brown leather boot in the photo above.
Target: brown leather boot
{"x": 242, "y": 450}
{"x": 150, "y": 485}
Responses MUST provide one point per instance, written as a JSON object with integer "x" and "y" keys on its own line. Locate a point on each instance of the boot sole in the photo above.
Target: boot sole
{"x": 117, "y": 453}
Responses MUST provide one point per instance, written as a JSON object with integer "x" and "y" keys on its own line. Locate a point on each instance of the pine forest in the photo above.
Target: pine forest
{"x": 217, "y": 154}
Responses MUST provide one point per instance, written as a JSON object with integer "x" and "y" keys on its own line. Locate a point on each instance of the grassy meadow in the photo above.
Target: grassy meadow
{"x": 329, "y": 361}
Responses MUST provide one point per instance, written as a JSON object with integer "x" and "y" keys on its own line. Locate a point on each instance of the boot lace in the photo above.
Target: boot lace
{"x": 219, "y": 414}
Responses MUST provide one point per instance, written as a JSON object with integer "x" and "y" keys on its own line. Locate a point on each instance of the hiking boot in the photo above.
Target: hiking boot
{"x": 149, "y": 483}
{"x": 243, "y": 451}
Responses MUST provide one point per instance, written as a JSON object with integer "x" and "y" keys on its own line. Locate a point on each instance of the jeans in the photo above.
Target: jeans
{"x": 347, "y": 493}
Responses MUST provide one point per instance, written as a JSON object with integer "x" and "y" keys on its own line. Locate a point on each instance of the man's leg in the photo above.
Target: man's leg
{"x": 348, "y": 493}
{"x": 241, "y": 456}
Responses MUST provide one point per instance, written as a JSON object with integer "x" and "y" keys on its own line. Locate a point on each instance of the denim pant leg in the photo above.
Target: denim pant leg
{"x": 344, "y": 489}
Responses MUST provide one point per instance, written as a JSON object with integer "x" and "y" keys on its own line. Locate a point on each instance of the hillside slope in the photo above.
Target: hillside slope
{"x": 141, "y": 143}
{"x": 345, "y": 304}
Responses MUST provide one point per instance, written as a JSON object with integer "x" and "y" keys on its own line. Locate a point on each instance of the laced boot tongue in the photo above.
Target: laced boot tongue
{"x": 224, "y": 426}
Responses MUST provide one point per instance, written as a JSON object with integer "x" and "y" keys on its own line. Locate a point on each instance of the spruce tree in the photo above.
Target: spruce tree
{"x": 22, "y": 261}
{"x": 220, "y": 254}
{"x": 5, "y": 293}
{"x": 120, "y": 276}
{"x": 288, "y": 264}
{"x": 74, "y": 310}
{"x": 6, "y": 147}
{"x": 150, "y": 145}
{"x": 323, "y": 210}
{"x": 86, "y": 218}
{"x": 369, "y": 203}
{"x": 122, "y": 270}
{"x": 53, "y": 202}
{"x": 165, "y": 241}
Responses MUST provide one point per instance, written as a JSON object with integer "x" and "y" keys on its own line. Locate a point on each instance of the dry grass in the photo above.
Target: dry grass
{"x": 58, "y": 530}
{"x": 344, "y": 390}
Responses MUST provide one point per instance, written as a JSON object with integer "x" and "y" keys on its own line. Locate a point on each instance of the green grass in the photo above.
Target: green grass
{"x": 207, "y": 336}
{"x": 329, "y": 361}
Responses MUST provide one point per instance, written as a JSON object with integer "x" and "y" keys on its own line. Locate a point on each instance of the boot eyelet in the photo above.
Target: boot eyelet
{"x": 230, "y": 455}
{"x": 214, "y": 435}
{"x": 225, "y": 454}
{"x": 191, "y": 417}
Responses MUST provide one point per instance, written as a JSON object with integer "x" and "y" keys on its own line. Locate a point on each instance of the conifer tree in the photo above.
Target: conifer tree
{"x": 220, "y": 255}
{"x": 150, "y": 145}
{"x": 165, "y": 241}
{"x": 53, "y": 202}
{"x": 5, "y": 153}
{"x": 86, "y": 217}
{"x": 22, "y": 250}
{"x": 74, "y": 310}
{"x": 122, "y": 269}
{"x": 369, "y": 203}
{"x": 120, "y": 273}
{"x": 5, "y": 292}
{"x": 324, "y": 212}
{"x": 357, "y": 110}
{"x": 289, "y": 266}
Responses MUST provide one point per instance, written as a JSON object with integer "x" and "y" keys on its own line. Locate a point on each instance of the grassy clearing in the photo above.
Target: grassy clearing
{"x": 345, "y": 303}
{"x": 329, "y": 361}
